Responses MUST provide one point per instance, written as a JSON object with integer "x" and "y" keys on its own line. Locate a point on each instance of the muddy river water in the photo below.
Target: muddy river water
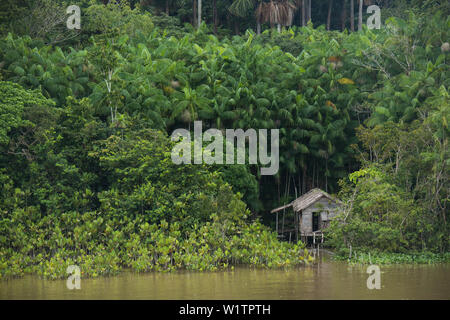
{"x": 326, "y": 280}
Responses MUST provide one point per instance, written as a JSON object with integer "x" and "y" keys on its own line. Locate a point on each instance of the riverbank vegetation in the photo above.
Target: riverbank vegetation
{"x": 86, "y": 175}
{"x": 383, "y": 258}
{"x": 153, "y": 215}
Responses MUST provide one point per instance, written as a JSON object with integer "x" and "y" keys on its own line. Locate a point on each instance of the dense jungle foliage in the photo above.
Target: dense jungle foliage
{"x": 85, "y": 118}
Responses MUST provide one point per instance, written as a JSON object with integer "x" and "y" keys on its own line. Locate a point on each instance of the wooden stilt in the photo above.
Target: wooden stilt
{"x": 277, "y": 224}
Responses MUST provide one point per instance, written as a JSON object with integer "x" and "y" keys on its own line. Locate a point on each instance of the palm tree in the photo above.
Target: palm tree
{"x": 360, "y": 15}
{"x": 199, "y": 7}
{"x": 240, "y": 8}
{"x": 258, "y": 15}
{"x": 303, "y": 13}
{"x": 309, "y": 11}
{"x": 279, "y": 12}
{"x": 217, "y": 114}
{"x": 214, "y": 4}
{"x": 330, "y": 7}
{"x": 352, "y": 15}
{"x": 343, "y": 14}
{"x": 188, "y": 103}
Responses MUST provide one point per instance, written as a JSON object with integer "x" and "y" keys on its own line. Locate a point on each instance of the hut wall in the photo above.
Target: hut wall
{"x": 306, "y": 221}
{"x": 327, "y": 209}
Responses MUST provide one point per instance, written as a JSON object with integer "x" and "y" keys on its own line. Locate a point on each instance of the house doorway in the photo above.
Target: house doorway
{"x": 315, "y": 221}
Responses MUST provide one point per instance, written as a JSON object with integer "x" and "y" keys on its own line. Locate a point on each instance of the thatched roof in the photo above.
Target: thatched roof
{"x": 306, "y": 200}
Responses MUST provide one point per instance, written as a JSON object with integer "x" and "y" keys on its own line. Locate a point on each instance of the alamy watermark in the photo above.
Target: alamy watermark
{"x": 74, "y": 280}
{"x": 74, "y": 20}
{"x": 374, "y": 280}
{"x": 213, "y": 153}
{"x": 374, "y": 21}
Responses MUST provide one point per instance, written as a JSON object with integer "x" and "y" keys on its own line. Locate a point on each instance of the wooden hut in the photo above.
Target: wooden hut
{"x": 312, "y": 213}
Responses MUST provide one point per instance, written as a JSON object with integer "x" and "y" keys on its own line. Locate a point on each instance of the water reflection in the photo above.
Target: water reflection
{"x": 327, "y": 280}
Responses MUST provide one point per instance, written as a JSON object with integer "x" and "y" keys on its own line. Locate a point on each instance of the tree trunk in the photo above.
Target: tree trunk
{"x": 215, "y": 15}
{"x": 303, "y": 13}
{"x": 199, "y": 15}
{"x": 304, "y": 180}
{"x": 236, "y": 27}
{"x": 279, "y": 28}
{"x": 330, "y": 8}
{"x": 343, "y": 15}
{"x": 360, "y": 15}
{"x": 258, "y": 28}
{"x": 194, "y": 10}
{"x": 352, "y": 15}
{"x": 309, "y": 11}
{"x": 167, "y": 7}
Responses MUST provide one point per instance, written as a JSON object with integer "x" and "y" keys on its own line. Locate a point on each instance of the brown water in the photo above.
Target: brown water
{"x": 326, "y": 280}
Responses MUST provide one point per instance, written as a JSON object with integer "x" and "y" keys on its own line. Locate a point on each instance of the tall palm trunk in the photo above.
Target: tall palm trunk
{"x": 215, "y": 15}
{"x": 258, "y": 16}
{"x": 304, "y": 178}
{"x": 303, "y": 13}
{"x": 194, "y": 10}
{"x": 236, "y": 27}
{"x": 360, "y": 15}
{"x": 199, "y": 15}
{"x": 352, "y": 15}
{"x": 309, "y": 11}
{"x": 343, "y": 15}
{"x": 330, "y": 8}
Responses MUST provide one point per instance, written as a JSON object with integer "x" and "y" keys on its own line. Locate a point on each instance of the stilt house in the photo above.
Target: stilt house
{"x": 312, "y": 214}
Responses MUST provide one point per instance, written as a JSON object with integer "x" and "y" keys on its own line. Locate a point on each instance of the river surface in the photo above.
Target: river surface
{"x": 325, "y": 280}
